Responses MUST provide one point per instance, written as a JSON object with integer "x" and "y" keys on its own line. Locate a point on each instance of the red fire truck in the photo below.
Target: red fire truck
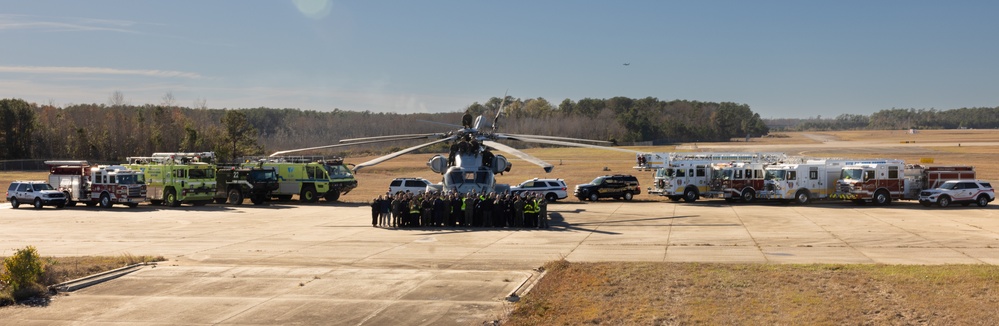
{"x": 97, "y": 184}
{"x": 883, "y": 181}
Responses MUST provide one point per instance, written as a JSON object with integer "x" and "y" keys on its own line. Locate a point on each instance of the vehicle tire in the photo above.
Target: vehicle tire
{"x": 171, "y": 198}
{"x": 60, "y": 205}
{"x": 38, "y": 203}
{"x": 628, "y": 196}
{"x": 235, "y": 197}
{"x": 926, "y": 203}
{"x": 882, "y": 198}
{"x": 105, "y": 201}
{"x": 308, "y": 194}
{"x": 551, "y": 197}
{"x": 802, "y": 197}
{"x": 982, "y": 201}
{"x": 594, "y": 197}
{"x": 689, "y": 195}
{"x": 748, "y": 195}
{"x": 944, "y": 201}
{"x": 133, "y": 205}
{"x": 14, "y": 203}
{"x": 332, "y": 196}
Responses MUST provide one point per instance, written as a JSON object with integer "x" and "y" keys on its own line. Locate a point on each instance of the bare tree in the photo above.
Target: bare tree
{"x": 200, "y": 103}
{"x": 117, "y": 98}
{"x": 168, "y": 99}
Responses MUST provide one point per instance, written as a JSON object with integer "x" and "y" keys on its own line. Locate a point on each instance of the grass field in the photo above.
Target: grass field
{"x": 760, "y": 294}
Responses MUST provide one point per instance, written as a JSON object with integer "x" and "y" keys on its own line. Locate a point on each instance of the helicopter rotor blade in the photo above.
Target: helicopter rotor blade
{"x": 524, "y": 156}
{"x": 341, "y": 145}
{"x": 500, "y": 111}
{"x": 399, "y": 153}
{"x": 565, "y": 143}
{"x": 391, "y": 138}
{"x": 562, "y": 138}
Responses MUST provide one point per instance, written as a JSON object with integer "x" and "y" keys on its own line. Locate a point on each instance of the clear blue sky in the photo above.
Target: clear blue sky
{"x": 783, "y": 58}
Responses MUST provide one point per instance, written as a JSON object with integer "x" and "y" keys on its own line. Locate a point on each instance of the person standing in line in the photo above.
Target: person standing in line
{"x": 487, "y": 210}
{"x": 542, "y": 213}
{"x": 376, "y": 208}
{"x": 469, "y": 205}
{"x": 383, "y": 218}
{"x": 456, "y": 210}
{"x": 518, "y": 211}
{"x": 394, "y": 205}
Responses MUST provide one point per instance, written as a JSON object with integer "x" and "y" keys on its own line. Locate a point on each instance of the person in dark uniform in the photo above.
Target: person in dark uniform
{"x": 456, "y": 212}
{"x": 396, "y": 213}
{"x": 440, "y": 210}
{"x": 543, "y": 213}
{"x": 518, "y": 211}
{"x": 376, "y": 209}
{"x": 466, "y": 120}
{"x": 427, "y": 204}
{"x": 487, "y": 210}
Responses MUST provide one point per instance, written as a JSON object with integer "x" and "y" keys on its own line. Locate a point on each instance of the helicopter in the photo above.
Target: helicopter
{"x": 471, "y": 165}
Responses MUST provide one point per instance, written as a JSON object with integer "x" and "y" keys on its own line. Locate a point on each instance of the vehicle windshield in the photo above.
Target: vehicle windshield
{"x": 41, "y": 186}
{"x": 263, "y": 175}
{"x": 201, "y": 174}
{"x": 776, "y": 175}
{"x": 338, "y": 171}
{"x": 664, "y": 173}
{"x": 597, "y": 181}
{"x": 131, "y": 179}
{"x": 948, "y": 185}
{"x": 855, "y": 174}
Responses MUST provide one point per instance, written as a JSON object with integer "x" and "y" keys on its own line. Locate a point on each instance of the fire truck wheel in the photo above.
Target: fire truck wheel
{"x": 105, "y": 201}
{"x": 748, "y": 195}
{"x": 235, "y": 197}
{"x": 308, "y": 194}
{"x": 332, "y": 196}
{"x": 944, "y": 201}
{"x": 689, "y": 195}
{"x": 38, "y": 203}
{"x": 14, "y": 203}
{"x": 882, "y": 198}
{"x": 983, "y": 201}
{"x": 171, "y": 198}
{"x": 628, "y": 195}
{"x": 802, "y": 197}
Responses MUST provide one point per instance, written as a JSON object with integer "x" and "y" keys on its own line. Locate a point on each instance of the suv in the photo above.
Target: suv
{"x": 613, "y": 186}
{"x": 38, "y": 193}
{"x": 964, "y": 192}
{"x": 413, "y": 185}
{"x": 552, "y": 189}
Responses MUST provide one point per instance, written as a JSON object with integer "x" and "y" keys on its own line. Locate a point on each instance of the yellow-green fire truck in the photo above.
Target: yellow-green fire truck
{"x": 175, "y": 178}
{"x": 308, "y": 177}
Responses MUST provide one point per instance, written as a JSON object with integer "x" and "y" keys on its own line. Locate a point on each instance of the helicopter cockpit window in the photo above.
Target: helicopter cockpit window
{"x": 481, "y": 177}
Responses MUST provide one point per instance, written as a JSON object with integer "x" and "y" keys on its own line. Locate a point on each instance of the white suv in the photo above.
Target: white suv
{"x": 552, "y": 189}
{"x": 413, "y": 185}
{"x": 39, "y": 193}
{"x": 964, "y": 192}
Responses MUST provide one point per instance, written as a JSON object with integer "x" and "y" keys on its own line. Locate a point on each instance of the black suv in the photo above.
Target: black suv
{"x": 609, "y": 186}
{"x": 237, "y": 183}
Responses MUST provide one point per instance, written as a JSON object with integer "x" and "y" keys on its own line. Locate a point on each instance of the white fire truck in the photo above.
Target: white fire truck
{"x": 881, "y": 182}
{"x": 175, "y": 178}
{"x": 687, "y": 176}
{"x": 803, "y": 182}
{"x": 97, "y": 184}
{"x": 742, "y": 181}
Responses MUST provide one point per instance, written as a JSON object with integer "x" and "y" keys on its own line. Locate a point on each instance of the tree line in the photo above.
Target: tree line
{"x": 111, "y": 132}
{"x": 974, "y": 118}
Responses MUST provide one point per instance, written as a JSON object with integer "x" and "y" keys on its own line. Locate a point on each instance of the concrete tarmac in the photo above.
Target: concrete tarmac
{"x": 325, "y": 264}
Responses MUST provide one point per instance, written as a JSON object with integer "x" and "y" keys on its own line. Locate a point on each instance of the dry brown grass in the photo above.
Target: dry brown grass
{"x": 62, "y": 269}
{"x": 760, "y": 294}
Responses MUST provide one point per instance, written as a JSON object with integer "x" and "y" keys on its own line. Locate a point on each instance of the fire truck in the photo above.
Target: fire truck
{"x": 97, "y": 184}
{"x": 803, "y": 182}
{"x": 308, "y": 177}
{"x": 742, "y": 181}
{"x": 883, "y": 181}
{"x": 687, "y": 176}
{"x": 175, "y": 178}
{"x": 235, "y": 183}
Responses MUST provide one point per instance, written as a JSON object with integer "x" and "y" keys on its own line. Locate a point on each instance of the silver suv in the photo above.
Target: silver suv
{"x": 39, "y": 193}
{"x": 963, "y": 192}
{"x": 413, "y": 185}
{"x": 552, "y": 189}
